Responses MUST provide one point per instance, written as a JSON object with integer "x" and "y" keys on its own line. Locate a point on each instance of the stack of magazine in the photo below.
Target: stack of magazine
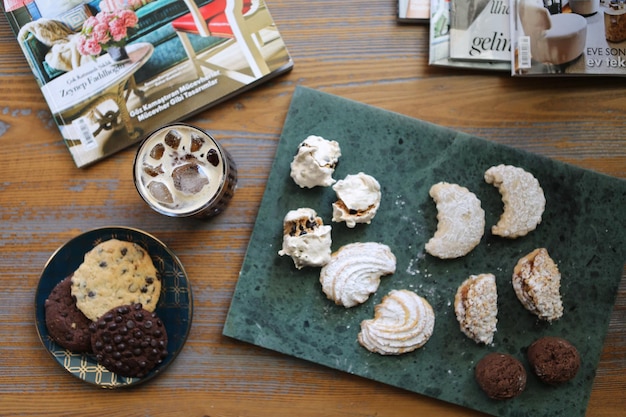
{"x": 530, "y": 37}
{"x": 177, "y": 58}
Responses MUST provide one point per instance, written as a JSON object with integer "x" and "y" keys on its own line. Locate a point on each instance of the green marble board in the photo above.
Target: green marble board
{"x": 278, "y": 307}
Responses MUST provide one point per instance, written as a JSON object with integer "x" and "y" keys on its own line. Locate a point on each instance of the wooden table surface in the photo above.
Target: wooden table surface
{"x": 348, "y": 48}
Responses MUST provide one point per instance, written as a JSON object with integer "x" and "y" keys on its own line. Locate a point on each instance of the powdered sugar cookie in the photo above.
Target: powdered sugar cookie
{"x": 537, "y": 282}
{"x": 476, "y": 307}
{"x": 461, "y": 221}
{"x": 523, "y": 198}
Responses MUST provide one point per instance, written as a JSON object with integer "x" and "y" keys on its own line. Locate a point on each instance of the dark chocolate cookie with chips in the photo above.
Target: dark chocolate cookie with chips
{"x": 66, "y": 324}
{"x": 129, "y": 340}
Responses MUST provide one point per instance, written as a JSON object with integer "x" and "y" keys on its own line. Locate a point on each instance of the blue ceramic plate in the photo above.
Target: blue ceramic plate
{"x": 175, "y": 306}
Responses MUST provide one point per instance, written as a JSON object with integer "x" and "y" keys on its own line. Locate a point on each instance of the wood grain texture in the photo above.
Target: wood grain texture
{"x": 352, "y": 49}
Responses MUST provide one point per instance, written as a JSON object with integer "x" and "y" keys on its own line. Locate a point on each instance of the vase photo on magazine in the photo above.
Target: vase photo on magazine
{"x": 576, "y": 37}
{"x": 112, "y": 71}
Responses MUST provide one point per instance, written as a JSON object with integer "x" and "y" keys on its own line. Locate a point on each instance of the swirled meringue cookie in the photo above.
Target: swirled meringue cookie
{"x": 354, "y": 272}
{"x": 461, "y": 221}
{"x": 402, "y": 322}
{"x": 358, "y": 199}
{"x": 523, "y": 198}
{"x": 537, "y": 281}
{"x": 314, "y": 163}
{"x": 476, "y": 307}
{"x": 305, "y": 238}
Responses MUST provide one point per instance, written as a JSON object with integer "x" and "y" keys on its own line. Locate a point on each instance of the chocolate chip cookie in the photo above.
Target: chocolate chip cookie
{"x": 66, "y": 324}
{"x": 115, "y": 273}
{"x": 129, "y": 340}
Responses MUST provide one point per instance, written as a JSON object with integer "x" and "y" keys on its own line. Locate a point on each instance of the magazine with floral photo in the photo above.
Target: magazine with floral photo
{"x": 112, "y": 71}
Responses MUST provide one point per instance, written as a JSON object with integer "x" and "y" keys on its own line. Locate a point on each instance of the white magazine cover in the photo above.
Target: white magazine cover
{"x": 439, "y": 49}
{"x": 479, "y": 30}
{"x": 580, "y": 37}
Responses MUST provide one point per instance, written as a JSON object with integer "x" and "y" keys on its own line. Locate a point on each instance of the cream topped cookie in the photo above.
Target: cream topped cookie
{"x": 305, "y": 238}
{"x": 314, "y": 163}
{"x": 402, "y": 322}
{"x": 358, "y": 199}
{"x": 354, "y": 272}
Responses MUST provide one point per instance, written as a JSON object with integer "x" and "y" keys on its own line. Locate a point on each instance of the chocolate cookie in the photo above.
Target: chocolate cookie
{"x": 66, "y": 324}
{"x": 501, "y": 376}
{"x": 129, "y": 340}
{"x": 554, "y": 360}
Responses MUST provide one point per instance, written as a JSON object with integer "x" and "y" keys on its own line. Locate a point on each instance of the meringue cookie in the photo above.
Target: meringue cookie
{"x": 354, "y": 272}
{"x": 305, "y": 238}
{"x": 314, "y": 163}
{"x": 402, "y": 322}
{"x": 358, "y": 199}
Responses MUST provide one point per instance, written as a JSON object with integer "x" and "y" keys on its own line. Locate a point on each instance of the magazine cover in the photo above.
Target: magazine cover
{"x": 413, "y": 11}
{"x": 112, "y": 71}
{"x": 581, "y": 37}
{"x": 479, "y": 30}
{"x": 439, "y": 48}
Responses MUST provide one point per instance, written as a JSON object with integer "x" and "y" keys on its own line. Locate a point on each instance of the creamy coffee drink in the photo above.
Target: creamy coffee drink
{"x": 181, "y": 171}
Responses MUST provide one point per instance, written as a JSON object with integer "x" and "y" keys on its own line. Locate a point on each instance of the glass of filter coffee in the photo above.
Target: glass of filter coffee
{"x": 181, "y": 171}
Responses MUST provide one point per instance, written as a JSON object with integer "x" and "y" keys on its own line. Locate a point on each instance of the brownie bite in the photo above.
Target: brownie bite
{"x": 500, "y": 376}
{"x": 553, "y": 359}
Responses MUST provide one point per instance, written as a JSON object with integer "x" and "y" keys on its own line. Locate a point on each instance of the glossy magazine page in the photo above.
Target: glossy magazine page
{"x": 579, "y": 37}
{"x": 178, "y": 58}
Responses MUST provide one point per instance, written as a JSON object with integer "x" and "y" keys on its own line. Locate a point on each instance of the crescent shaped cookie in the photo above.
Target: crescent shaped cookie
{"x": 537, "y": 281}
{"x": 402, "y": 322}
{"x": 461, "y": 221}
{"x": 523, "y": 198}
{"x": 354, "y": 272}
{"x": 476, "y": 307}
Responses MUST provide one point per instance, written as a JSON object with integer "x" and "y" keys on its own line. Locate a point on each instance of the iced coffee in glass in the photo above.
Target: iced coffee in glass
{"x": 181, "y": 171}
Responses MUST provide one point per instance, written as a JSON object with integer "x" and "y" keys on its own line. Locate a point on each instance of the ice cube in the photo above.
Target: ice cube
{"x": 196, "y": 142}
{"x": 160, "y": 192}
{"x": 189, "y": 178}
{"x": 173, "y": 138}
{"x": 153, "y": 171}
{"x": 213, "y": 157}
{"x": 157, "y": 151}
